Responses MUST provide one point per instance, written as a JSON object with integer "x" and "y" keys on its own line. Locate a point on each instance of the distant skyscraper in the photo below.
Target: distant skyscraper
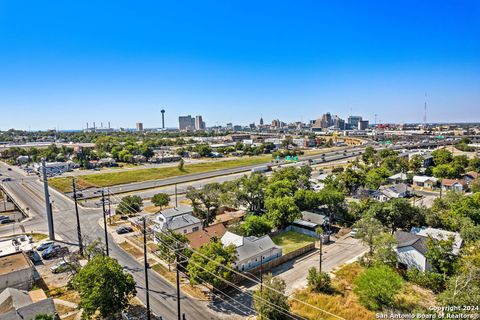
{"x": 326, "y": 121}
{"x": 186, "y": 123}
{"x": 139, "y": 126}
{"x": 261, "y": 121}
{"x": 353, "y": 121}
{"x": 362, "y": 125}
{"x": 276, "y": 123}
{"x": 199, "y": 123}
{"x": 338, "y": 123}
{"x": 163, "y": 118}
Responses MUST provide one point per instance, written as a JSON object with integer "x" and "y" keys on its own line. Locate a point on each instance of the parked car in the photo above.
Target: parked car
{"x": 53, "y": 251}
{"x": 7, "y": 179}
{"x": 9, "y": 169}
{"x": 124, "y": 229}
{"x": 44, "y": 245}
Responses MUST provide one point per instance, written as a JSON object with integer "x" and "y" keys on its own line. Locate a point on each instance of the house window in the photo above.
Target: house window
{"x": 185, "y": 231}
{"x": 195, "y": 229}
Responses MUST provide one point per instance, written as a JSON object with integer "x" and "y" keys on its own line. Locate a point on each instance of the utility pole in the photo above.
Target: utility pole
{"x": 109, "y": 208}
{"x": 146, "y": 265}
{"x": 79, "y": 231}
{"x": 48, "y": 205}
{"x": 321, "y": 249}
{"x": 261, "y": 272}
{"x": 105, "y": 223}
{"x": 176, "y": 197}
{"x": 178, "y": 281}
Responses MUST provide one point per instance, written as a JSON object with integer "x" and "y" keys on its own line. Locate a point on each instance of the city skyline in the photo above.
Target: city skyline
{"x": 286, "y": 62}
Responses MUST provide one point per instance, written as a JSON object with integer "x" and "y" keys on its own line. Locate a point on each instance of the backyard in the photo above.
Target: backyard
{"x": 291, "y": 241}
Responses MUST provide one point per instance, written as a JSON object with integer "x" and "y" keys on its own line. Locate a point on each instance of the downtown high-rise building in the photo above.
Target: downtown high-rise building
{"x": 353, "y": 121}
{"x": 199, "y": 123}
{"x": 186, "y": 123}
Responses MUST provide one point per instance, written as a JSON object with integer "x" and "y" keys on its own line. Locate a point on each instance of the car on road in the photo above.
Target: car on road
{"x": 53, "y": 251}
{"x": 44, "y": 245}
{"x": 9, "y": 169}
{"x": 7, "y": 179}
{"x": 124, "y": 229}
{"x": 5, "y": 221}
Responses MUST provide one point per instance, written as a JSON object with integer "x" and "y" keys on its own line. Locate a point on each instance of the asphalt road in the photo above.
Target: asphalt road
{"x": 28, "y": 191}
{"x": 329, "y": 157}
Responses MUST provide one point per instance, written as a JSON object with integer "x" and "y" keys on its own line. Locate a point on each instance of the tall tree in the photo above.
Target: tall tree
{"x": 161, "y": 199}
{"x": 129, "y": 205}
{"x": 270, "y": 302}
{"x": 104, "y": 287}
{"x": 282, "y": 211}
{"x": 251, "y": 191}
{"x": 212, "y": 259}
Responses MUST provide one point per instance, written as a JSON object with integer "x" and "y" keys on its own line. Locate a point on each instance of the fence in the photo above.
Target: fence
{"x": 276, "y": 262}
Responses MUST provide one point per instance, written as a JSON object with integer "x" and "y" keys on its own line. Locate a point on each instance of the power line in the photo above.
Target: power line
{"x": 245, "y": 276}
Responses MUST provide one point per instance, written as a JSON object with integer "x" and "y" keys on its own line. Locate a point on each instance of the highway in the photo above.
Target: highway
{"x": 150, "y": 184}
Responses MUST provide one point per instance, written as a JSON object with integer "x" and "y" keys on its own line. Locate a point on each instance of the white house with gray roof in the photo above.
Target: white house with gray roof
{"x": 412, "y": 246}
{"x": 179, "y": 220}
{"x": 251, "y": 251}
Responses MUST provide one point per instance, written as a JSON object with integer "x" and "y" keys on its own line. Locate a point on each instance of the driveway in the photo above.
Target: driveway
{"x": 336, "y": 253}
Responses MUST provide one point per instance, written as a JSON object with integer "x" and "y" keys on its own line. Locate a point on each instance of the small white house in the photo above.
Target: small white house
{"x": 251, "y": 251}
{"x": 412, "y": 246}
{"x": 425, "y": 181}
{"x": 179, "y": 220}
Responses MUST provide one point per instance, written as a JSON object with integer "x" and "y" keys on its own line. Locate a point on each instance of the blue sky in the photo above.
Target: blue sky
{"x": 65, "y": 63}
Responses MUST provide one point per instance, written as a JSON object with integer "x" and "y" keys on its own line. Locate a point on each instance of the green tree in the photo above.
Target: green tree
{"x": 44, "y": 317}
{"x": 281, "y": 211}
{"x": 251, "y": 191}
{"x": 270, "y": 299}
{"x": 463, "y": 288}
{"x": 376, "y": 177}
{"x": 256, "y": 225}
{"x": 376, "y": 287}
{"x": 211, "y": 259}
{"x": 368, "y": 230}
{"x": 475, "y": 185}
{"x": 395, "y": 214}
{"x": 206, "y": 201}
{"x": 161, "y": 199}
{"x": 368, "y": 155}
{"x": 441, "y": 156}
{"x": 415, "y": 163}
{"x": 103, "y": 286}
{"x": 319, "y": 281}
{"x": 334, "y": 200}
{"x": 306, "y": 199}
{"x": 129, "y": 205}
{"x": 474, "y": 164}
{"x": 168, "y": 242}
{"x": 181, "y": 165}
{"x": 440, "y": 255}
{"x": 384, "y": 252}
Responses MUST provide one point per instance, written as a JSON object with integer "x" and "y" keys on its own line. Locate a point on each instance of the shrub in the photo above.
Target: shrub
{"x": 377, "y": 286}
{"x": 319, "y": 281}
{"x": 429, "y": 280}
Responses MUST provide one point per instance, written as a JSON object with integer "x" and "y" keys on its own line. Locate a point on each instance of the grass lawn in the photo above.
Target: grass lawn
{"x": 291, "y": 241}
{"x": 123, "y": 177}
